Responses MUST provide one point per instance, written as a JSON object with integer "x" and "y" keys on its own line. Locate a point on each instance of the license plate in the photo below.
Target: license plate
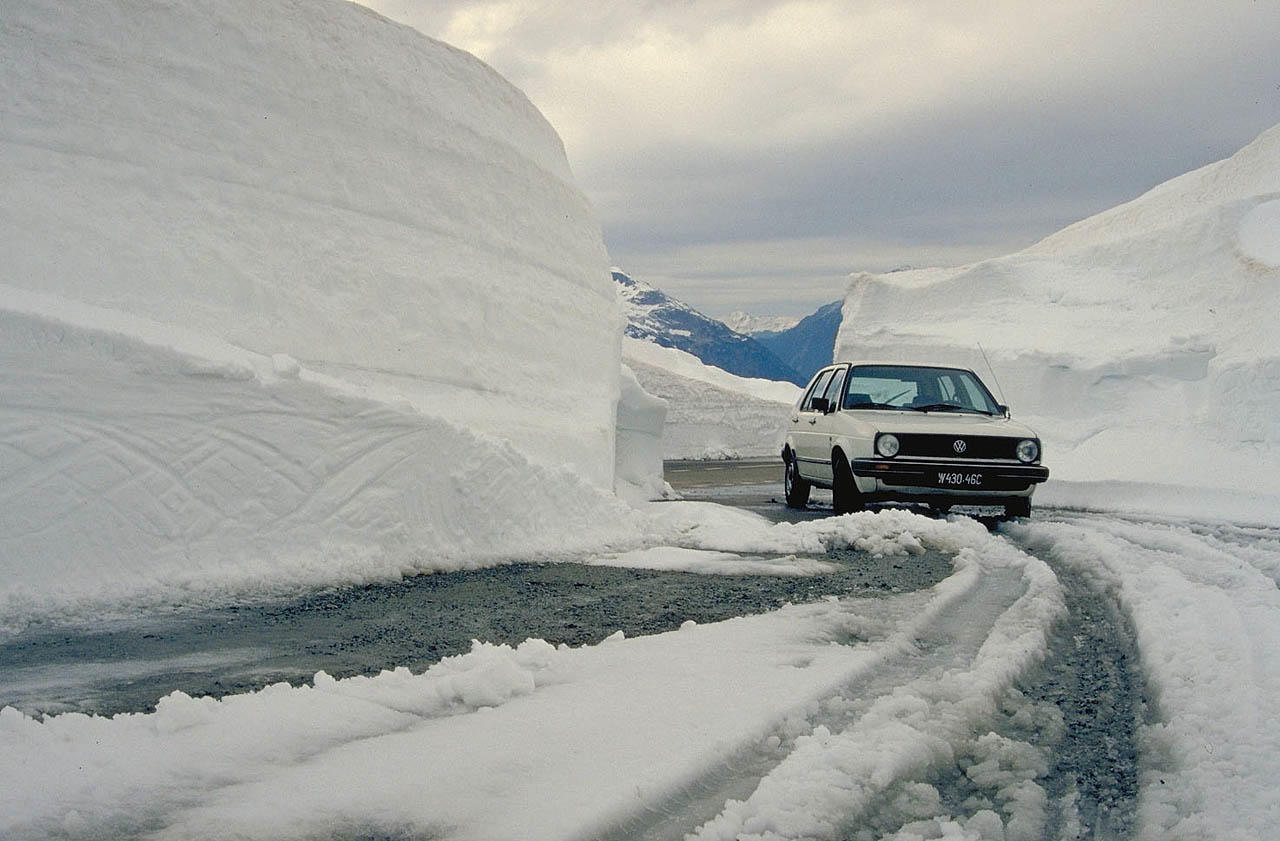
{"x": 960, "y": 480}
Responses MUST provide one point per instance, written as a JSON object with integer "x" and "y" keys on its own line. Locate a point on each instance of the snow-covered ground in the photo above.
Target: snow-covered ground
{"x": 845, "y": 718}
{"x": 539, "y": 742}
{"x": 711, "y": 413}
{"x": 1204, "y": 603}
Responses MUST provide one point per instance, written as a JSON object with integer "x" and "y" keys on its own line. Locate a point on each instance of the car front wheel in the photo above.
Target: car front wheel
{"x": 797, "y": 489}
{"x": 845, "y": 497}
{"x": 1019, "y": 506}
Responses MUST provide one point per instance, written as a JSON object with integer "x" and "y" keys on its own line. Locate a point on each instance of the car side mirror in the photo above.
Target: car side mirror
{"x": 820, "y": 404}
{"x": 1004, "y": 410}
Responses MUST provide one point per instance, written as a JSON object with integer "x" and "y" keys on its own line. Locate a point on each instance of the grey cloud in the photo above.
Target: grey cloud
{"x": 774, "y": 184}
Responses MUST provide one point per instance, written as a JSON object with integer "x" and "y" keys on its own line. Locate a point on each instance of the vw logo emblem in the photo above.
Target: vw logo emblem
{"x": 959, "y": 446}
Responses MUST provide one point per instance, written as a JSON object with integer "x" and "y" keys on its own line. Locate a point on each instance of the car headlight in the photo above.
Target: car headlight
{"x": 887, "y": 444}
{"x": 1028, "y": 451}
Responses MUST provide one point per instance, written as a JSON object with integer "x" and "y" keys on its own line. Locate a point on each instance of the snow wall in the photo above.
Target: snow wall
{"x": 711, "y": 414}
{"x": 1141, "y": 342}
{"x": 290, "y": 293}
{"x": 309, "y": 178}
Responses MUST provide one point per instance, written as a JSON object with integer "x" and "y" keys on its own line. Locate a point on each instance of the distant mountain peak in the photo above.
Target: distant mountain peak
{"x": 750, "y": 324}
{"x": 655, "y": 316}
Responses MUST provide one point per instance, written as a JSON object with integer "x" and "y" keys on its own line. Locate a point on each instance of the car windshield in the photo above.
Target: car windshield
{"x": 920, "y": 388}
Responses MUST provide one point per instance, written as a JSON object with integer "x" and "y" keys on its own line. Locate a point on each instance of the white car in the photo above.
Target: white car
{"x": 875, "y": 432}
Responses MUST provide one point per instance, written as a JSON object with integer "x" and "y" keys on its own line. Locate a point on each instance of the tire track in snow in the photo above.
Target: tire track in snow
{"x": 836, "y": 762}
{"x": 1092, "y": 676}
{"x": 1202, "y": 602}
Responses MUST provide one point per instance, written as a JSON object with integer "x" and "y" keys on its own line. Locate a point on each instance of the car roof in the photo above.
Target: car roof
{"x": 899, "y": 364}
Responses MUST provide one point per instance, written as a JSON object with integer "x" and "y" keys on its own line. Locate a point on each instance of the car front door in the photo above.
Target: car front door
{"x": 804, "y": 419}
{"x": 820, "y": 432}
{"x": 813, "y": 436}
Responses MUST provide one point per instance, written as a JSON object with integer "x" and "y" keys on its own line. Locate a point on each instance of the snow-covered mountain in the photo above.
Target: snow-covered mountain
{"x": 1140, "y": 342}
{"x": 749, "y": 325}
{"x": 809, "y": 344}
{"x": 653, "y": 315}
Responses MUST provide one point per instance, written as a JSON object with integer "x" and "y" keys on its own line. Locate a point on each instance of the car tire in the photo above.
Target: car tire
{"x": 845, "y": 497}
{"x": 796, "y": 488}
{"x": 1019, "y": 506}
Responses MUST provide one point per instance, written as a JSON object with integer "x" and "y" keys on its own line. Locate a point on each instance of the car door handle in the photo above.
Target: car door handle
{"x": 796, "y": 419}
{"x": 813, "y": 420}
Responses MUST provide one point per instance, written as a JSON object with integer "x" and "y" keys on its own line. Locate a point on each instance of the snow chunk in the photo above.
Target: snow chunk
{"x": 638, "y": 463}
{"x": 285, "y": 366}
{"x": 1260, "y": 234}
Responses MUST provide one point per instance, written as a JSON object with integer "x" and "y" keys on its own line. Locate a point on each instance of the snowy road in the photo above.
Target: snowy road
{"x": 1080, "y": 675}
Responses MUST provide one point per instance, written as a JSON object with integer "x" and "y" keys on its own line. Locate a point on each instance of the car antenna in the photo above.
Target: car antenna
{"x": 993, "y": 374}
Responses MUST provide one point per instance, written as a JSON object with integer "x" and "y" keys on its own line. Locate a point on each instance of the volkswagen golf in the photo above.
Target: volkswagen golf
{"x": 874, "y": 432}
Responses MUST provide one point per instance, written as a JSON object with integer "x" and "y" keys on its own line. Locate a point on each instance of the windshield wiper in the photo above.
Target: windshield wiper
{"x": 947, "y": 407}
{"x": 872, "y": 405}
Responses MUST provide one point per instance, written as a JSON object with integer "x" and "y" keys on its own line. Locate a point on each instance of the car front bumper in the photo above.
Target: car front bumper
{"x": 948, "y": 477}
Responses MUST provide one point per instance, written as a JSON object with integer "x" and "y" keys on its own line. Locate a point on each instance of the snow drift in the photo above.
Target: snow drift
{"x": 288, "y": 286}
{"x": 711, "y": 413}
{"x": 1139, "y": 342}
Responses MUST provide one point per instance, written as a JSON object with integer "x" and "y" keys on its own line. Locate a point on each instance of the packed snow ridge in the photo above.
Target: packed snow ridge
{"x": 1140, "y": 342}
{"x": 287, "y": 282}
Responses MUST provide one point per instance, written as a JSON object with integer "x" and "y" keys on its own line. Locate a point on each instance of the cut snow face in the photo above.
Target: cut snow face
{"x": 291, "y": 295}
{"x": 313, "y": 180}
{"x": 145, "y": 465}
{"x": 1140, "y": 343}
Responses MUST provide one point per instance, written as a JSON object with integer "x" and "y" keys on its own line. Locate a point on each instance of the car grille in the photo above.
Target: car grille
{"x": 945, "y": 446}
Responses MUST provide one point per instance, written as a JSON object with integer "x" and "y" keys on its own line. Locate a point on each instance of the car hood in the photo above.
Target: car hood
{"x": 942, "y": 423}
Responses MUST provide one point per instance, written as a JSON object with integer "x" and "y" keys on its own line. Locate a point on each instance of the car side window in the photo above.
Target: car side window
{"x": 836, "y": 386}
{"x": 818, "y": 389}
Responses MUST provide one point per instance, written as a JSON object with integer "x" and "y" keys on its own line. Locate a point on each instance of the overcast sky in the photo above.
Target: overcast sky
{"x": 750, "y": 154}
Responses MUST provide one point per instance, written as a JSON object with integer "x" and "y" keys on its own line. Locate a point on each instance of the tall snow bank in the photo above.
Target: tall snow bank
{"x": 144, "y": 464}
{"x": 1140, "y": 342}
{"x": 309, "y": 178}
{"x": 711, "y": 413}
{"x": 290, "y": 295}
